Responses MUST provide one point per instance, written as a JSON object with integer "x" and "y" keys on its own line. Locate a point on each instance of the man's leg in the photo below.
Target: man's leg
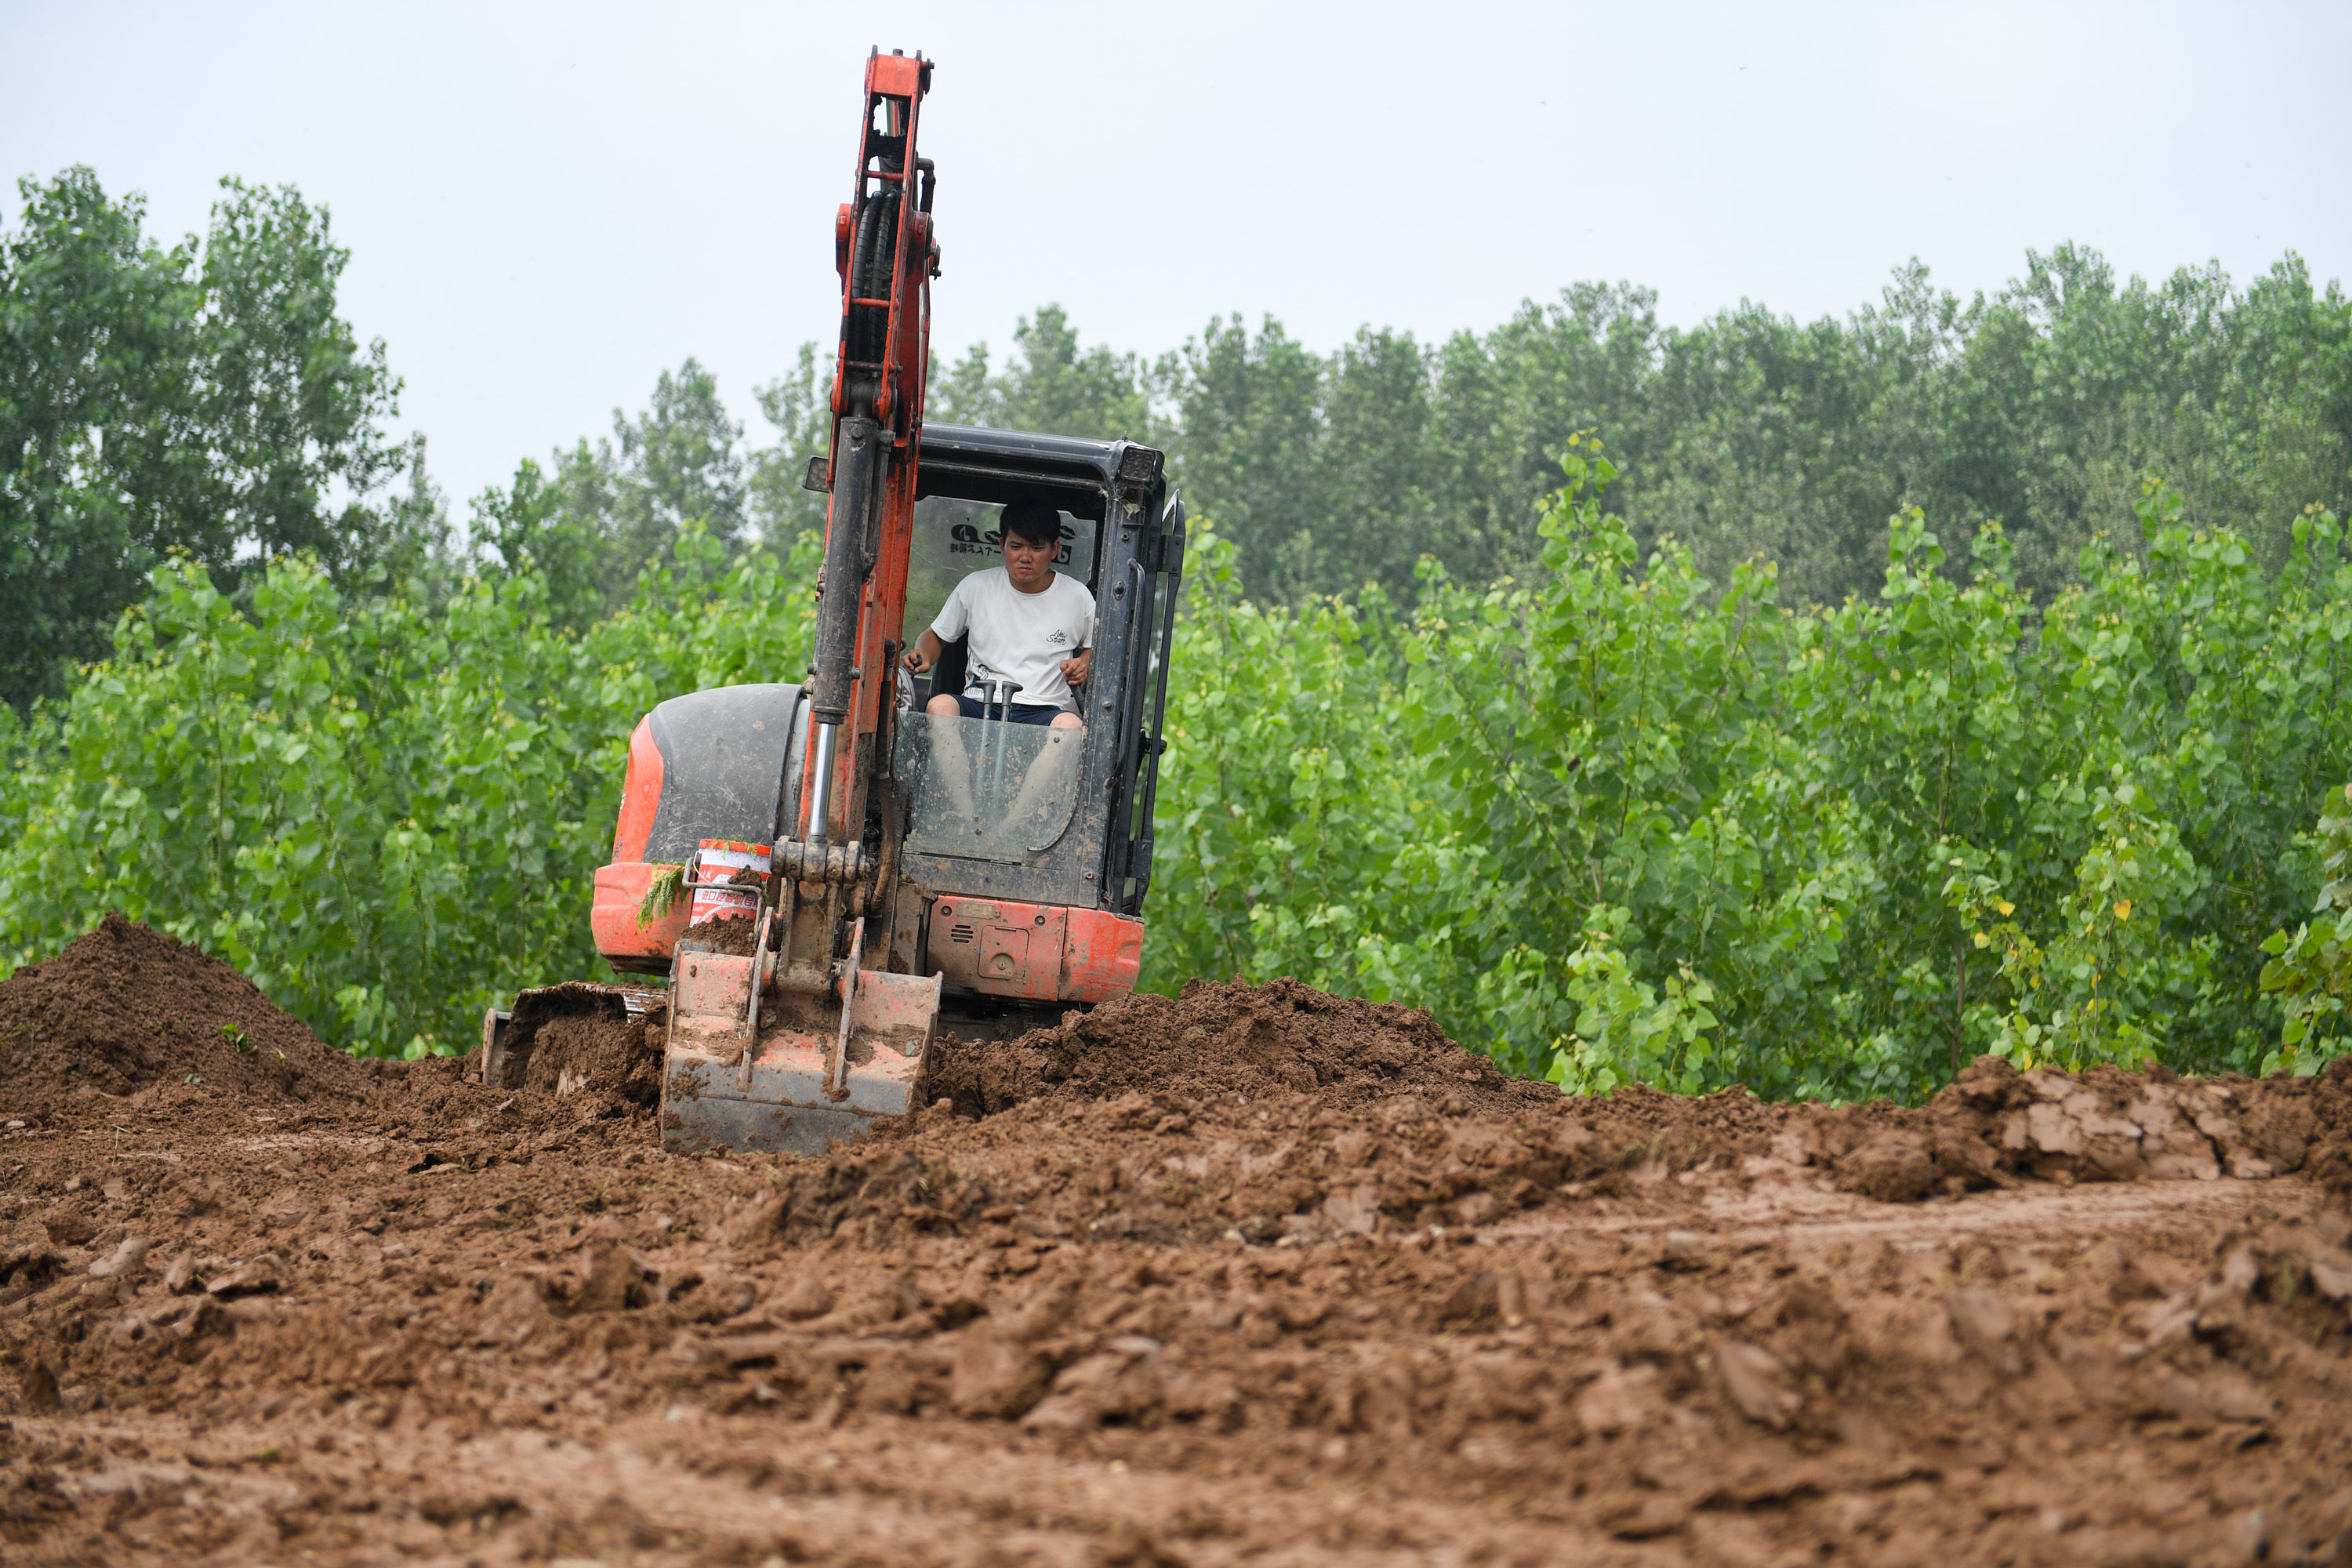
{"x": 1048, "y": 776}
{"x": 949, "y": 762}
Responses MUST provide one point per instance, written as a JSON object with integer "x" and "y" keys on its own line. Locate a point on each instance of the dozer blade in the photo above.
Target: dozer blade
{"x": 511, "y": 1038}
{"x": 807, "y": 1080}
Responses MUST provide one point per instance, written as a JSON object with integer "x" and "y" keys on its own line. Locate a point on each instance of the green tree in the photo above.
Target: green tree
{"x": 203, "y": 399}
{"x": 799, "y": 405}
{"x": 286, "y": 402}
{"x": 1373, "y": 506}
{"x": 1050, "y": 382}
{"x": 1613, "y": 821}
{"x": 95, "y": 324}
{"x": 1248, "y": 421}
{"x": 600, "y": 513}
{"x": 1507, "y": 402}
{"x": 680, "y": 460}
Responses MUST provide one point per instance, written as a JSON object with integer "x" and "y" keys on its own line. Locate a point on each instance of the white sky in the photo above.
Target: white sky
{"x": 548, "y": 205}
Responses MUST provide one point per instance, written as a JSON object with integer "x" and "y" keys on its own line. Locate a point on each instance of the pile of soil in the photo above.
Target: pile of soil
{"x": 582, "y": 1038}
{"x": 1995, "y": 1126}
{"x": 1252, "y": 1274}
{"x": 1219, "y": 1044}
{"x": 125, "y": 1008}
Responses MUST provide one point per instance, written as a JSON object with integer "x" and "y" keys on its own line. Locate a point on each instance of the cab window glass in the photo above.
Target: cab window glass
{"x": 984, "y": 789}
{"x": 953, "y": 537}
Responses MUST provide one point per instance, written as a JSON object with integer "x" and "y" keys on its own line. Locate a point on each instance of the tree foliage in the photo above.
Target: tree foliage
{"x": 387, "y": 813}
{"x": 2312, "y": 970}
{"x": 2041, "y": 407}
{"x": 1618, "y": 822}
{"x": 207, "y": 399}
{"x": 599, "y": 514}
{"x": 204, "y": 399}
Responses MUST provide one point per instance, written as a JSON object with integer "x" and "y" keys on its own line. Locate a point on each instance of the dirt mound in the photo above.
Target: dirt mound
{"x": 1218, "y": 1045}
{"x": 1995, "y": 1126}
{"x": 1253, "y": 1274}
{"x": 124, "y": 1009}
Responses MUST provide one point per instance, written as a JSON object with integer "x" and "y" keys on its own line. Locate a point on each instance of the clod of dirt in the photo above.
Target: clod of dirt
{"x": 995, "y": 1374}
{"x": 124, "y": 1008}
{"x": 1995, "y": 1125}
{"x": 127, "y": 1257}
{"x": 724, "y": 933}
{"x": 39, "y": 1388}
{"x": 1894, "y": 1166}
{"x": 806, "y": 1298}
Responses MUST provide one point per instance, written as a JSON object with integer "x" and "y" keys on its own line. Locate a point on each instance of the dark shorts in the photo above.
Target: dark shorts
{"x": 1019, "y": 712}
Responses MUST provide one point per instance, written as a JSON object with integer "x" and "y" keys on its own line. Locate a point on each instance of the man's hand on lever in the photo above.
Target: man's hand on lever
{"x": 924, "y": 654}
{"x": 1074, "y": 670}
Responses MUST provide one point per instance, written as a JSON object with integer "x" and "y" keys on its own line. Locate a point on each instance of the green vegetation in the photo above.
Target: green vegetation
{"x": 2042, "y": 407}
{"x": 1610, "y": 824}
{"x": 204, "y": 400}
{"x": 1771, "y": 762}
{"x": 388, "y": 815}
{"x": 1615, "y": 823}
{"x": 2312, "y": 970}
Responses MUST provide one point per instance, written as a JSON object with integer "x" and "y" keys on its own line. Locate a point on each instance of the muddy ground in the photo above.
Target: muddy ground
{"x": 1254, "y": 1275}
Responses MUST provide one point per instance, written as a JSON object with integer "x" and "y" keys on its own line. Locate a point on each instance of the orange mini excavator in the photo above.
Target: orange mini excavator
{"x": 892, "y": 866}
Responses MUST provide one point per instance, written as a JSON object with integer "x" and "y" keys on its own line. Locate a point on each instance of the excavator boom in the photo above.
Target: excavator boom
{"x": 840, "y": 1042}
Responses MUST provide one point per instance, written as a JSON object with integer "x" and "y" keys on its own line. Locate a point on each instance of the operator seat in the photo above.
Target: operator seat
{"x": 948, "y": 674}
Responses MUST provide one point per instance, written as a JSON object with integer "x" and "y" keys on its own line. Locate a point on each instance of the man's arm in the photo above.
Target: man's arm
{"x": 954, "y": 616}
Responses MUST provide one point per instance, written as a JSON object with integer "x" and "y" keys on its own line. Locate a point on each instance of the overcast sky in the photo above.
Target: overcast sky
{"x": 548, "y": 205}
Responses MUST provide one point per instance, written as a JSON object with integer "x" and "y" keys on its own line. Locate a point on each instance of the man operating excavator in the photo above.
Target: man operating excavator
{"x": 1030, "y": 629}
{"x": 918, "y": 860}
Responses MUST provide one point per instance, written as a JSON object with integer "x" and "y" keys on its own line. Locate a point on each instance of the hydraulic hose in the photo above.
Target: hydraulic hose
{"x": 861, "y": 458}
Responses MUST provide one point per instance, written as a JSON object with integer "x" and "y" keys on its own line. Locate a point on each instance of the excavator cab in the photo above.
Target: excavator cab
{"x": 1053, "y": 824}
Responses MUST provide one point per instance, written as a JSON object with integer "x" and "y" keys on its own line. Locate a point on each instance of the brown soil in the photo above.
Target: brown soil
{"x": 1254, "y": 1274}
{"x": 724, "y": 933}
{"x": 583, "y": 1037}
{"x": 125, "y": 1008}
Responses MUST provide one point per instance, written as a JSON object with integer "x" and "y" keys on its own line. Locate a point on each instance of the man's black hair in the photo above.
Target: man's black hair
{"x": 1034, "y": 520}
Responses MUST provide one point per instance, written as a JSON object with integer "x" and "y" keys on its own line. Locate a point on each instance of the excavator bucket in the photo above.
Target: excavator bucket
{"x": 749, "y": 1067}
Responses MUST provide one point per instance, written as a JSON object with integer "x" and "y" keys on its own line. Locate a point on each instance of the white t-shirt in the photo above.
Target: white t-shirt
{"x": 1024, "y": 636}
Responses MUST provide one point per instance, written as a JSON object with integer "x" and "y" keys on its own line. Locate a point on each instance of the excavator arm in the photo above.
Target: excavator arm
{"x": 841, "y": 1042}
{"x": 886, "y": 255}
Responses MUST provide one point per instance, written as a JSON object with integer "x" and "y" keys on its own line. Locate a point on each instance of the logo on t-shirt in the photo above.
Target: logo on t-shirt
{"x": 1057, "y": 636}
